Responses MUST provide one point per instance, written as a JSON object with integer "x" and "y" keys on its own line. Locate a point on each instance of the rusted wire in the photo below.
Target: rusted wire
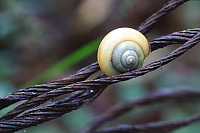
{"x": 33, "y": 91}
{"x": 36, "y": 90}
{"x": 147, "y": 25}
{"x": 83, "y": 92}
{"x": 148, "y": 99}
{"x": 54, "y": 93}
{"x": 92, "y": 89}
{"x": 153, "y": 127}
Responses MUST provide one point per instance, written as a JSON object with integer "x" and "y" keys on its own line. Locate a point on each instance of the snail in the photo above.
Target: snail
{"x": 122, "y": 50}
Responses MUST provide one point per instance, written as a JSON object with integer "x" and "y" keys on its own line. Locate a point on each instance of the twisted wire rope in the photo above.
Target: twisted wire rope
{"x": 153, "y": 127}
{"x": 76, "y": 86}
{"x": 58, "y": 108}
{"x": 151, "y": 98}
{"x": 85, "y": 92}
{"x": 33, "y": 91}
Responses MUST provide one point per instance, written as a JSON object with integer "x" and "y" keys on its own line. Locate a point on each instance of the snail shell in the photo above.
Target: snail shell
{"x": 122, "y": 50}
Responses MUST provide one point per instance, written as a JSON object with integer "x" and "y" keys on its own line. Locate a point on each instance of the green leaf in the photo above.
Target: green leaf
{"x": 66, "y": 63}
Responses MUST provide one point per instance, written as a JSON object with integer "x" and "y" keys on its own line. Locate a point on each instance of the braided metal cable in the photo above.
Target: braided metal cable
{"x": 33, "y": 91}
{"x": 83, "y": 92}
{"x": 152, "y": 20}
{"x": 92, "y": 88}
{"x": 36, "y": 90}
{"x": 151, "y": 98}
{"x": 175, "y": 37}
{"x": 153, "y": 127}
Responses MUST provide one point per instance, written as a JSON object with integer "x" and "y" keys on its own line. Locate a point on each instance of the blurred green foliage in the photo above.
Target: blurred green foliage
{"x": 66, "y": 63}
{"x": 40, "y": 40}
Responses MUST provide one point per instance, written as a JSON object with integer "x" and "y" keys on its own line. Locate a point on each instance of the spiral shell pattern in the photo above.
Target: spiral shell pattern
{"x": 127, "y": 56}
{"x": 122, "y": 50}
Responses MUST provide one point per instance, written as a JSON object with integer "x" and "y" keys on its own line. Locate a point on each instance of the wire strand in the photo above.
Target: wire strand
{"x": 80, "y": 91}
{"x": 148, "y": 99}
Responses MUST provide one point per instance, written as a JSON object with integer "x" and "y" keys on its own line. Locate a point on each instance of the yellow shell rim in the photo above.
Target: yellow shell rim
{"x": 112, "y": 39}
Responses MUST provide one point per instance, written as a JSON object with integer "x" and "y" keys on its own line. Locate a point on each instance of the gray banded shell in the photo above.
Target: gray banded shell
{"x": 127, "y": 56}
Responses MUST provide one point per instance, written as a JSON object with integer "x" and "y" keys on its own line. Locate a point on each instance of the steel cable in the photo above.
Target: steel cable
{"x": 82, "y": 92}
